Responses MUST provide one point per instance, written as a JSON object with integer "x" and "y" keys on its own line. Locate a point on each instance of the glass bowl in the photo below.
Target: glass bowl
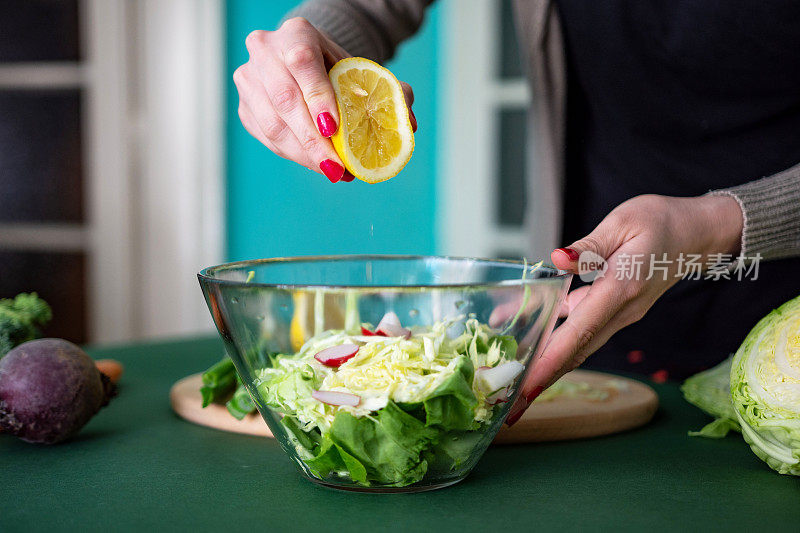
{"x": 383, "y": 373}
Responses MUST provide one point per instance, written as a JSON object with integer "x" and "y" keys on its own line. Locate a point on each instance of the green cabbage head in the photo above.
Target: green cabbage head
{"x": 765, "y": 388}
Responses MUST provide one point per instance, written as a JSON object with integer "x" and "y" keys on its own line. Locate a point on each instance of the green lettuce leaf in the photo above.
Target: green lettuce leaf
{"x": 309, "y": 440}
{"x": 508, "y": 345}
{"x": 389, "y": 445}
{"x": 452, "y": 405}
{"x": 717, "y": 429}
{"x": 710, "y": 390}
{"x": 453, "y": 449}
{"x": 331, "y": 457}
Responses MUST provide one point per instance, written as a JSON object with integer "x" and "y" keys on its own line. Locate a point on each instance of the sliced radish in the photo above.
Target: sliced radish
{"x": 336, "y": 355}
{"x": 389, "y": 318}
{"x": 390, "y": 326}
{"x": 392, "y": 331}
{"x": 492, "y": 379}
{"x": 500, "y": 396}
{"x": 369, "y": 333}
{"x": 336, "y": 398}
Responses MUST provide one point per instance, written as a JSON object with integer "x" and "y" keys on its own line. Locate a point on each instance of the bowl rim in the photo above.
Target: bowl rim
{"x": 205, "y": 277}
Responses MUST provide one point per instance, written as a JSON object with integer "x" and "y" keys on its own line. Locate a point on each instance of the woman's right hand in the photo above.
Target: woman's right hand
{"x": 286, "y": 100}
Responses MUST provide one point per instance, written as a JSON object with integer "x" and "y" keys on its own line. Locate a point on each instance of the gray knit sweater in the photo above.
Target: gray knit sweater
{"x": 374, "y": 28}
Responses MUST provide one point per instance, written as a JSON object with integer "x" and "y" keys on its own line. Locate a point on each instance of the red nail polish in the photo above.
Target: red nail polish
{"x": 332, "y": 170}
{"x": 347, "y": 177}
{"x": 569, "y": 252}
{"x": 326, "y": 124}
{"x": 537, "y": 390}
{"x": 514, "y": 417}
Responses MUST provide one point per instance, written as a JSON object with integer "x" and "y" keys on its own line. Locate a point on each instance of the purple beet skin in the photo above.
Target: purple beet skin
{"x": 49, "y": 389}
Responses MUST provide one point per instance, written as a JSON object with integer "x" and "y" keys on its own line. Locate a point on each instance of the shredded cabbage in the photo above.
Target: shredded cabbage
{"x": 384, "y": 369}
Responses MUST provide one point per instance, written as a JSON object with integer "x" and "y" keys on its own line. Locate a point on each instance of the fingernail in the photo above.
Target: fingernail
{"x": 326, "y": 124}
{"x": 569, "y": 252}
{"x": 332, "y": 170}
{"x": 537, "y": 390}
{"x": 515, "y": 416}
{"x": 347, "y": 177}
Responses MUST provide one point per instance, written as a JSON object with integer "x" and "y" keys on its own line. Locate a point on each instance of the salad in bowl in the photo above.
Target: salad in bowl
{"x": 398, "y": 404}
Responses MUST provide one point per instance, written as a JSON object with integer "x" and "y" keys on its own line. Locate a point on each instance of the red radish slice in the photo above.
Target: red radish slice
{"x": 393, "y": 331}
{"x": 369, "y": 333}
{"x": 390, "y": 318}
{"x": 336, "y": 398}
{"x": 498, "y": 377}
{"x": 500, "y": 396}
{"x": 336, "y": 355}
{"x": 390, "y": 326}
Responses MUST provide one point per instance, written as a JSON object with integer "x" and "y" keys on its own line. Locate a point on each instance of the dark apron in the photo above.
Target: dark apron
{"x": 679, "y": 98}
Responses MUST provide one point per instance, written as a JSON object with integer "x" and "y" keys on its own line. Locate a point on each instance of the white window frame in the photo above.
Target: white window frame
{"x": 181, "y": 145}
{"x": 471, "y": 95}
{"x": 167, "y": 177}
{"x": 109, "y": 154}
{"x": 153, "y": 141}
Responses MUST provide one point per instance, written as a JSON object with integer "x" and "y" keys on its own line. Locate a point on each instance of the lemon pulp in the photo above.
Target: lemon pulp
{"x": 374, "y": 138}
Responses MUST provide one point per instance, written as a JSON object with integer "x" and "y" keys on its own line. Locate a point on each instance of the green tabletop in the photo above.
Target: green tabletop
{"x": 137, "y": 466}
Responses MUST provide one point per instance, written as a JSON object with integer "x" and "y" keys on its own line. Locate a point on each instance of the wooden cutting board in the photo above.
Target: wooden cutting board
{"x": 625, "y": 404}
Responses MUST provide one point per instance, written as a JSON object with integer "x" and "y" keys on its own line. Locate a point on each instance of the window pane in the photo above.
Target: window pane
{"x": 510, "y": 63}
{"x": 39, "y": 30}
{"x": 511, "y": 167}
{"x": 59, "y": 278}
{"x": 40, "y": 156}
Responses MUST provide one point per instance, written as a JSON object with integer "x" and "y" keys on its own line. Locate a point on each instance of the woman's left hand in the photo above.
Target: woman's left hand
{"x": 647, "y": 228}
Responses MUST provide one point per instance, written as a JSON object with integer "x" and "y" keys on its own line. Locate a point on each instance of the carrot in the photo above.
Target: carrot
{"x": 111, "y": 368}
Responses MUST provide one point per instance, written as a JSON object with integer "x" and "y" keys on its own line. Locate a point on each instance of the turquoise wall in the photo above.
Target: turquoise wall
{"x": 278, "y": 208}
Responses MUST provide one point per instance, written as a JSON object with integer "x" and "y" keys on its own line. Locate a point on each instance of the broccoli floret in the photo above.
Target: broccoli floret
{"x": 20, "y": 320}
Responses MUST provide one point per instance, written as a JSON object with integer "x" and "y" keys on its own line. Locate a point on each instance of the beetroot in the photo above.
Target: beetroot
{"x": 49, "y": 389}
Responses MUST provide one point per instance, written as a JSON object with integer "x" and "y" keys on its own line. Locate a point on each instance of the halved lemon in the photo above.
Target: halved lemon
{"x": 374, "y": 139}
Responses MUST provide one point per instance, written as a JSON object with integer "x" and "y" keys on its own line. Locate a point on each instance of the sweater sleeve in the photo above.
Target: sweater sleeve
{"x": 366, "y": 28}
{"x": 771, "y": 210}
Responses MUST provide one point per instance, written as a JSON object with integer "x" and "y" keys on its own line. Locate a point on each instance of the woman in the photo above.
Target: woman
{"x": 643, "y": 107}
